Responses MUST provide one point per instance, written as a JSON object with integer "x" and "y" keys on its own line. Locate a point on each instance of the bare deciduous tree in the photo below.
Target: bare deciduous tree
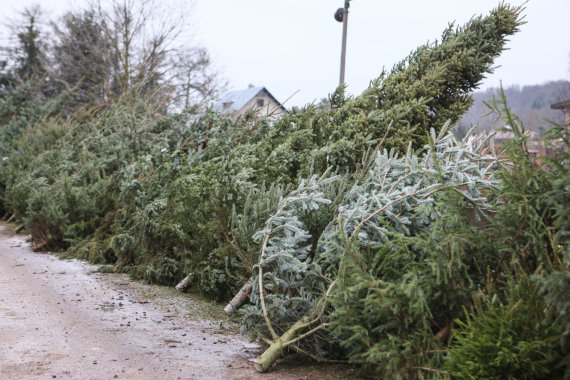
{"x": 147, "y": 56}
{"x": 196, "y": 81}
{"x": 117, "y": 48}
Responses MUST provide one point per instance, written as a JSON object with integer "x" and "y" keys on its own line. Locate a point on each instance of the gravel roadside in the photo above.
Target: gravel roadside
{"x": 62, "y": 319}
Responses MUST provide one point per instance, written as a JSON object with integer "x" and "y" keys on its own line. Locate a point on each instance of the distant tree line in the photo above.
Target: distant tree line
{"x": 530, "y": 103}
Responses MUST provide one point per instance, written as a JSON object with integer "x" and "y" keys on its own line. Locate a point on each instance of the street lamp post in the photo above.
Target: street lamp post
{"x": 341, "y": 15}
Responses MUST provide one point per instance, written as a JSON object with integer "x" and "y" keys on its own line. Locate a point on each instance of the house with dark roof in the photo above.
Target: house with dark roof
{"x": 258, "y": 99}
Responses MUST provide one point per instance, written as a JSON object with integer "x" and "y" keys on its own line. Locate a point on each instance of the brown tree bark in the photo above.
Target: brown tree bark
{"x": 239, "y": 298}
{"x": 39, "y": 246}
{"x": 443, "y": 334}
{"x": 264, "y": 361}
{"x": 183, "y": 285}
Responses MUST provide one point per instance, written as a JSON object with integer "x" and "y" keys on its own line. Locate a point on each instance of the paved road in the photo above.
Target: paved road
{"x": 59, "y": 320}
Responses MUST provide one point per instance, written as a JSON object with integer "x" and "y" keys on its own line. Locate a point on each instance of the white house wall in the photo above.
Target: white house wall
{"x": 269, "y": 109}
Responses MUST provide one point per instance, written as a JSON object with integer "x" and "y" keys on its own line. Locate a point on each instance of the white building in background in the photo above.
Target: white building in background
{"x": 258, "y": 99}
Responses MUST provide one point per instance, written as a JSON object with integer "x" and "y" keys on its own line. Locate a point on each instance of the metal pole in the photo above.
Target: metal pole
{"x": 343, "y": 52}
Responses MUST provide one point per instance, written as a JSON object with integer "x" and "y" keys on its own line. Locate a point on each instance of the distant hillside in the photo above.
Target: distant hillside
{"x": 530, "y": 103}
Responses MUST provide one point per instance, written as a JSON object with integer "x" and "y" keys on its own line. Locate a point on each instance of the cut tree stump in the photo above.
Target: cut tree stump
{"x": 264, "y": 361}
{"x": 39, "y": 246}
{"x": 443, "y": 334}
{"x": 20, "y": 228}
{"x": 6, "y": 216}
{"x": 11, "y": 218}
{"x": 182, "y": 285}
{"x": 239, "y": 298}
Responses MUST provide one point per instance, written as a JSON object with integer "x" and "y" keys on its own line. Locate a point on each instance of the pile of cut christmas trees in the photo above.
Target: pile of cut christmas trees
{"x": 362, "y": 230}
{"x": 424, "y": 258}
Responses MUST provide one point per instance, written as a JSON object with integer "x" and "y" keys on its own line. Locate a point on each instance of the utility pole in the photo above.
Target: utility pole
{"x": 341, "y": 15}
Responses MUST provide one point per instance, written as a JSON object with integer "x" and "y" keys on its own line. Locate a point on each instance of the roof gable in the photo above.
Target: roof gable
{"x": 234, "y": 101}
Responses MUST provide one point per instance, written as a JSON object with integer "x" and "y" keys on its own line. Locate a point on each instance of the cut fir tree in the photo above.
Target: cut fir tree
{"x": 297, "y": 284}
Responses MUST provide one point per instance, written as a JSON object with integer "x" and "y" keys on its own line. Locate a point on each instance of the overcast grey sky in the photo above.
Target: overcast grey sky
{"x": 290, "y": 45}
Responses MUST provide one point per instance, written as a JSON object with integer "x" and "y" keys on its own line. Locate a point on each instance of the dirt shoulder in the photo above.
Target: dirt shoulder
{"x": 61, "y": 319}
